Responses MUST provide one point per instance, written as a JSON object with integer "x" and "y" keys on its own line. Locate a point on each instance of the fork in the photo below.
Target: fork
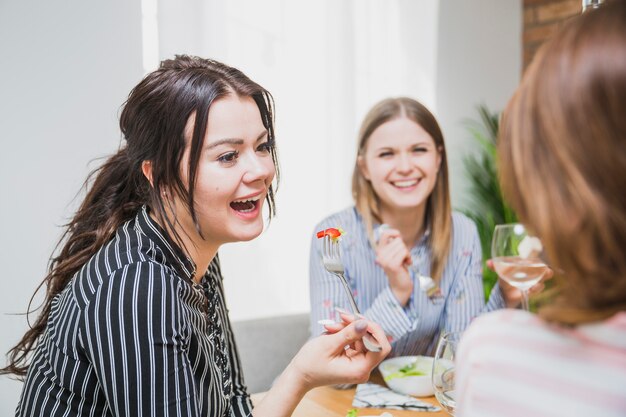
{"x": 331, "y": 258}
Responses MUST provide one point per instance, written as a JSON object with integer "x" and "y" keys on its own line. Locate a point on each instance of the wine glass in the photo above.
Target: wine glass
{"x": 591, "y": 4}
{"x": 516, "y": 257}
{"x": 443, "y": 370}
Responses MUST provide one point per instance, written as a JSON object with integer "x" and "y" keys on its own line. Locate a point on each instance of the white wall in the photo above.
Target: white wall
{"x": 65, "y": 69}
{"x": 479, "y": 61}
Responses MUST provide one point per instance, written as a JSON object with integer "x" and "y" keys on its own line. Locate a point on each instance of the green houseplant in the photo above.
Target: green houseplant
{"x": 485, "y": 206}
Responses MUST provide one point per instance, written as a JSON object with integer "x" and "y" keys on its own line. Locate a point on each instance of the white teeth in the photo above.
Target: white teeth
{"x": 252, "y": 200}
{"x": 405, "y": 183}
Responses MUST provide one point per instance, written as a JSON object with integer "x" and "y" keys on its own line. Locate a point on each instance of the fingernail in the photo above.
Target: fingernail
{"x": 326, "y": 322}
{"x": 361, "y": 316}
{"x": 342, "y": 311}
{"x": 360, "y": 325}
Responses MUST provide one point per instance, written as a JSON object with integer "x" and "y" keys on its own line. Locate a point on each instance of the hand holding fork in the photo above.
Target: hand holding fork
{"x": 331, "y": 259}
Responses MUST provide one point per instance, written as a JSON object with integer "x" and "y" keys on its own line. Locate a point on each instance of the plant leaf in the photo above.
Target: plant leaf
{"x": 486, "y": 206}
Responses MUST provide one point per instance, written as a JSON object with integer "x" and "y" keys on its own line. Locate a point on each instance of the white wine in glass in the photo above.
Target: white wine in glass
{"x": 516, "y": 257}
{"x": 443, "y": 371}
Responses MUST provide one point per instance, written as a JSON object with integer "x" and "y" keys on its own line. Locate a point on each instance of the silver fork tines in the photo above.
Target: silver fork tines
{"x": 331, "y": 259}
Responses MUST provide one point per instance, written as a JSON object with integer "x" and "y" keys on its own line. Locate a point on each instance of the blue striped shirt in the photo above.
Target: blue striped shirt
{"x": 132, "y": 335}
{"x": 414, "y": 328}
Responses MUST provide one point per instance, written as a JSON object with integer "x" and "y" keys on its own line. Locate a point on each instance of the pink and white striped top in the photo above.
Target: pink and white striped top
{"x": 512, "y": 363}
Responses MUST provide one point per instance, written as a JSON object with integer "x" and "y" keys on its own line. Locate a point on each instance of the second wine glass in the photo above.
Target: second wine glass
{"x": 516, "y": 257}
{"x": 443, "y": 371}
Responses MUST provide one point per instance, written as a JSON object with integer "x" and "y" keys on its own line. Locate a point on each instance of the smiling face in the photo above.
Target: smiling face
{"x": 234, "y": 174}
{"x": 401, "y": 162}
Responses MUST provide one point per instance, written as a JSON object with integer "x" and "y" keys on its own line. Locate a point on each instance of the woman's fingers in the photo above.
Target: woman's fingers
{"x": 350, "y": 334}
{"x": 389, "y": 243}
{"x": 354, "y": 332}
{"x": 548, "y": 274}
{"x": 374, "y": 330}
{"x": 333, "y": 326}
{"x": 340, "y": 357}
{"x": 388, "y": 236}
{"x": 345, "y": 316}
{"x": 378, "y": 333}
{"x": 394, "y": 256}
{"x": 359, "y": 346}
{"x": 537, "y": 288}
{"x": 396, "y": 248}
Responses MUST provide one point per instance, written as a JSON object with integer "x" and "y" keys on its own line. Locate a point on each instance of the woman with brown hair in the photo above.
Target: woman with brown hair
{"x": 562, "y": 157}
{"x": 134, "y": 322}
{"x": 413, "y": 265}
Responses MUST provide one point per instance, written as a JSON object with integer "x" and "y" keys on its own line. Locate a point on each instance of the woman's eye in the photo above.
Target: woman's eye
{"x": 228, "y": 157}
{"x": 266, "y": 147}
{"x": 385, "y": 154}
{"x": 420, "y": 150}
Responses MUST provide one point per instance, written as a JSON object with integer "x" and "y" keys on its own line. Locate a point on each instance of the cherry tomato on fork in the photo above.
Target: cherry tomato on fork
{"x": 334, "y": 233}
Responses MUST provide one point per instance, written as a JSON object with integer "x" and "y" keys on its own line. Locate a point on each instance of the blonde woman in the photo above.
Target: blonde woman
{"x": 420, "y": 274}
{"x": 563, "y": 162}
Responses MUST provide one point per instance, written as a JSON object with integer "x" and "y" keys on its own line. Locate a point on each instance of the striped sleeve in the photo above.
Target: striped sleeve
{"x": 387, "y": 311}
{"x": 496, "y": 300}
{"x": 466, "y": 298}
{"x": 137, "y": 340}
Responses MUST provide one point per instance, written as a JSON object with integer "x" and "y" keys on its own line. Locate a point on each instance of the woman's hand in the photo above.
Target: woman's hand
{"x": 513, "y": 296}
{"x": 394, "y": 257}
{"x": 339, "y": 355}
{"x": 333, "y": 358}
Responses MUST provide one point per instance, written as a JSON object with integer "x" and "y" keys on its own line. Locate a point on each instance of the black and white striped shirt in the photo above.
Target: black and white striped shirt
{"x": 132, "y": 335}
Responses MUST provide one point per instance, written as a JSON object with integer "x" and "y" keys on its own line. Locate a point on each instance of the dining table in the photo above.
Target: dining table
{"x": 333, "y": 402}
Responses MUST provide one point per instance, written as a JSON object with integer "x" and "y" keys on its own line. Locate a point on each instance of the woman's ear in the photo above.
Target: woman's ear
{"x": 146, "y": 168}
{"x": 360, "y": 161}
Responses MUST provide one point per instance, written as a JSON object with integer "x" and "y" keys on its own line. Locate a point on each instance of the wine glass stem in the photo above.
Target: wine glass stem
{"x": 525, "y": 304}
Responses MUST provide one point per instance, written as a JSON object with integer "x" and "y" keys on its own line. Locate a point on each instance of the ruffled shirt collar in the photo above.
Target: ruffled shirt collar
{"x": 173, "y": 253}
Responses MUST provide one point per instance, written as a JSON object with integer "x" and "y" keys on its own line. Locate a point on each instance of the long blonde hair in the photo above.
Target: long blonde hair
{"x": 438, "y": 212}
{"x": 562, "y": 158}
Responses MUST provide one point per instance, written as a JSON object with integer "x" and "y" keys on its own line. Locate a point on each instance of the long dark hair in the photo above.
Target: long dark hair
{"x": 153, "y": 122}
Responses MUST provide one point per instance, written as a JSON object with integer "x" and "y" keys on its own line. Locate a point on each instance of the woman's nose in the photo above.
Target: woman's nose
{"x": 404, "y": 163}
{"x": 259, "y": 168}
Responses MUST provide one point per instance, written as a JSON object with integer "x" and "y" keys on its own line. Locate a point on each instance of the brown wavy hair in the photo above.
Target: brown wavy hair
{"x": 438, "y": 211}
{"x": 562, "y": 159}
{"x": 153, "y": 123}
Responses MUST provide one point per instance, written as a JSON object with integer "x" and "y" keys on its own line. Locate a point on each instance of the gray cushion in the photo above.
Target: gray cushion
{"x": 267, "y": 345}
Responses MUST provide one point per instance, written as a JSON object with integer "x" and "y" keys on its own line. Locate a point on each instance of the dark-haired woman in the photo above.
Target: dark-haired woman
{"x": 134, "y": 322}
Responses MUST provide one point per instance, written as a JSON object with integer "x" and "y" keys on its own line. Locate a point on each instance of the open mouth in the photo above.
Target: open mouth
{"x": 245, "y": 206}
{"x": 405, "y": 183}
